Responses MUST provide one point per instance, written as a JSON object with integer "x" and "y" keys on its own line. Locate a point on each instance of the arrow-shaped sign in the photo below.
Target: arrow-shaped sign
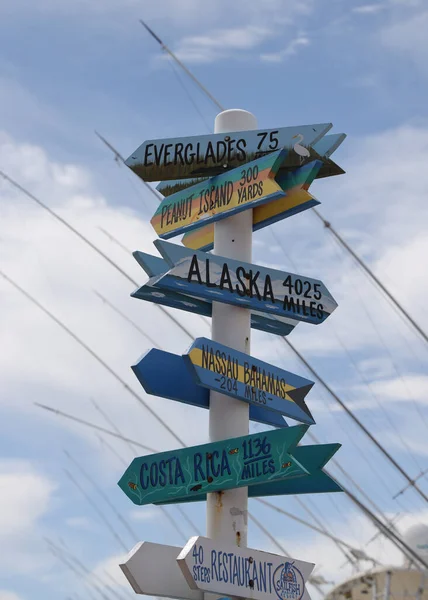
{"x": 152, "y": 569}
{"x": 166, "y": 375}
{"x": 313, "y": 458}
{"x": 160, "y": 160}
{"x": 241, "y": 376}
{"x": 223, "y": 465}
{"x": 155, "y": 266}
{"x": 220, "y": 196}
{"x": 323, "y": 148}
{"x": 211, "y": 566}
{"x": 297, "y": 199}
{"x": 229, "y": 281}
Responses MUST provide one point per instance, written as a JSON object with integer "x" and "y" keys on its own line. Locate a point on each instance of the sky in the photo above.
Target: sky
{"x": 70, "y": 68}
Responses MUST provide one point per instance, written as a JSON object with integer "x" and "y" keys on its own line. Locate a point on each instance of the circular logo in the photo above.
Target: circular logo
{"x": 288, "y": 582}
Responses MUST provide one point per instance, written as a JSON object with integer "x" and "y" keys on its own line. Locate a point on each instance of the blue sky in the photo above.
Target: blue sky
{"x": 68, "y": 68}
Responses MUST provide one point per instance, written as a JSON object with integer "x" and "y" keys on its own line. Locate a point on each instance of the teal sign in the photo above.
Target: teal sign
{"x": 232, "y": 463}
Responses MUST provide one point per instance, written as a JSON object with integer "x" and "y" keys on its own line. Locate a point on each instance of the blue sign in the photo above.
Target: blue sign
{"x": 166, "y": 375}
{"x": 275, "y": 324}
{"x": 241, "y": 376}
{"x": 223, "y": 465}
{"x": 221, "y": 279}
{"x": 313, "y": 458}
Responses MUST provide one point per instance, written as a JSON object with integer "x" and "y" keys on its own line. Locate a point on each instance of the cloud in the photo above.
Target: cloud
{"x": 221, "y": 43}
{"x": 5, "y": 595}
{"x": 290, "y": 50}
{"x": 368, "y": 9}
{"x": 25, "y": 498}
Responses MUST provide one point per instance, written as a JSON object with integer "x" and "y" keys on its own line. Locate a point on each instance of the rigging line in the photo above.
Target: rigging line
{"x": 117, "y": 430}
{"x": 324, "y": 528}
{"x": 189, "y": 96}
{"x": 334, "y": 461}
{"x": 183, "y": 66}
{"x": 98, "y": 511}
{"x": 115, "y": 241}
{"x": 94, "y": 355}
{"x": 90, "y": 244}
{"x": 60, "y": 413}
{"x": 397, "y": 541}
{"x": 103, "y": 442}
{"x": 130, "y": 321}
{"x": 357, "y": 420}
{"x": 370, "y": 273}
{"x": 280, "y": 547}
{"x": 71, "y": 561}
{"x": 105, "y": 498}
{"x": 376, "y": 398}
{"x": 73, "y": 569}
{"x": 119, "y": 158}
{"x": 421, "y": 474}
{"x": 395, "y": 366}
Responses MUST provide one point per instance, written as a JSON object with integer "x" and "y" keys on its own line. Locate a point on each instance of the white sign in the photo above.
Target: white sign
{"x": 152, "y": 569}
{"x": 243, "y": 572}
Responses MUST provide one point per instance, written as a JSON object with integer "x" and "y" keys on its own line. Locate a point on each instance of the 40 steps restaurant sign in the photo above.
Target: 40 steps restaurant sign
{"x": 242, "y": 572}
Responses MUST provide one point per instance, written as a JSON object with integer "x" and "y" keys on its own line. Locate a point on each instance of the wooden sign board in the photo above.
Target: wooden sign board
{"x": 313, "y": 458}
{"x": 243, "y": 377}
{"x": 221, "y": 279}
{"x": 223, "y": 465}
{"x": 220, "y": 196}
{"x": 322, "y": 149}
{"x": 276, "y": 324}
{"x": 297, "y": 199}
{"x": 159, "y": 371}
{"x": 209, "y": 155}
{"x": 211, "y": 566}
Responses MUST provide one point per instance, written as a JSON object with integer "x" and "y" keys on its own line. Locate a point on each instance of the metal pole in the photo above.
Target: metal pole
{"x": 387, "y": 590}
{"x": 227, "y": 512}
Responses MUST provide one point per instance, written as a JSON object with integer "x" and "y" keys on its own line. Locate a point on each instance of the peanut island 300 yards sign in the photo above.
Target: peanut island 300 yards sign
{"x": 265, "y": 174}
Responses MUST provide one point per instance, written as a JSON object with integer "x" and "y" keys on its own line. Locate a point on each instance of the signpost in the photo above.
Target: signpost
{"x": 239, "y": 283}
{"x": 166, "y": 375}
{"x": 212, "y": 154}
{"x": 275, "y": 324}
{"x": 243, "y": 179}
{"x": 239, "y": 375}
{"x": 221, "y": 465}
{"x": 210, "y": 566}
{"x": 220, "y": 196}
{"x": 312, "y": 458}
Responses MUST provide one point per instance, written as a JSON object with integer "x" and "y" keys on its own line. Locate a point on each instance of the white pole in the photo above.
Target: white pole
{"x": 227, "y": 512}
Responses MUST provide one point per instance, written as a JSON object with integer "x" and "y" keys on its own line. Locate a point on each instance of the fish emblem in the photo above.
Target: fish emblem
{"x": 132, "y": 485}
{"x": 234, "y": 451}
{"x": 196, "y": 488}
{"x": 285, "y": 465}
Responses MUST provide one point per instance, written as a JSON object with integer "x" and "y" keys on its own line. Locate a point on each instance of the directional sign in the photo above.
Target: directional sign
{"x": 212, "y": 566}
{"x": 324, "y": 148}
{"x": 297, "y": 199}
{"x": 220, "y": 197}
{"x": 241, "y": 376}
{"x": 152, "y": 569}
{"x": 313, "y": 458}
{"x": 276, "y": 324}
{"x": 166, "y": 375}
{"x": 160, "y": 160}
{"x": 223, "y": 465}
{"x": 243, "y": 284}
